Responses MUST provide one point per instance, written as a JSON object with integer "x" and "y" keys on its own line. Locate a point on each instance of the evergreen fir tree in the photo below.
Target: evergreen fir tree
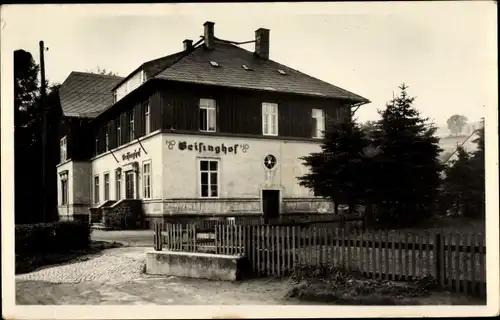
{"x": 334, "y": 172}
{"x": 456, "y": 183}
{"x": 464, "y": 182}
{"x": 410, "y": 175}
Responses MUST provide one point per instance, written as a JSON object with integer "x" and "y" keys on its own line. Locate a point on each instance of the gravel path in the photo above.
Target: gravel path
{"x": 110, "y": 266}
{"x": 115, "y": 277}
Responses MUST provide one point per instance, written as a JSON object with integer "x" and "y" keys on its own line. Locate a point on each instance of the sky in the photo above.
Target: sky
{"x": 446, "y": 52}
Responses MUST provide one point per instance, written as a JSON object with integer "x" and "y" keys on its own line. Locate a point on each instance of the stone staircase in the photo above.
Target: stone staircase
{"x": 96, "y": 217}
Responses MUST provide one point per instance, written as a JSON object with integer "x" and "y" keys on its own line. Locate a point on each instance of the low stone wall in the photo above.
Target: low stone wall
{"x": 195, "y": 265}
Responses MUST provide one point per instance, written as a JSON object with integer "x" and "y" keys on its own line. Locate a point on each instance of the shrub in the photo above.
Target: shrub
{"x": 51, "y": 237}
{"x": 123, "y": 217}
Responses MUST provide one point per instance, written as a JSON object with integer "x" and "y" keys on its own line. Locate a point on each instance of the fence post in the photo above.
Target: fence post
{"x": 157, "y": 234}
{"x": 248, "y": 241}
{"x": 438, "y": 254}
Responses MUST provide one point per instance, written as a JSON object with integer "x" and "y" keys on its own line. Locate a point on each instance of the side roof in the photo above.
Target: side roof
{"x": 86, "y": 94}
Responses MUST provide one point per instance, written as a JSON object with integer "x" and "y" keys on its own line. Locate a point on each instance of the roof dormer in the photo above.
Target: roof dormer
{"x": 130, "y": 84}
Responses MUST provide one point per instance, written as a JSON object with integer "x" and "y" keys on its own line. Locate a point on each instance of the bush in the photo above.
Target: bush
{"x": 124, "y": 218}
{"x": 54, "y": 237}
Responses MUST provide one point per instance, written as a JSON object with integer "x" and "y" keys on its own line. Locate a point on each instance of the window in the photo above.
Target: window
{"x": 146, "y": 179}
{"x": 339, "y": 113}
{"x": 118, "y": 133}
{"x": 209, "y": 178}
{"x": 96, "y": 145}
{"x": 270, "y": 119}
{"x": 118, "y": 185}
{"x": 318, "y": 125}
{"x": 96, "y": 189}
{"x": 106, "y": 186}
{"x": 147, "y": 124}
{"x": 131, "y": 134}
{"x": 208, "y": 115}
{"x": 64, "y": 188}
{"x": 106, "y": 138}
{"x": 64, "y": 149}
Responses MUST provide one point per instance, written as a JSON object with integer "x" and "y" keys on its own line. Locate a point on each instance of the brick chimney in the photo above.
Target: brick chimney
{"x": 188, "y": 44}
{"x": 262, "y": 43}
{"x": 209, "y": 34}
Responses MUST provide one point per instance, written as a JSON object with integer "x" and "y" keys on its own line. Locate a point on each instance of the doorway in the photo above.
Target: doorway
{"x": 270, "y": 204}
{"x": 130, "y": 184}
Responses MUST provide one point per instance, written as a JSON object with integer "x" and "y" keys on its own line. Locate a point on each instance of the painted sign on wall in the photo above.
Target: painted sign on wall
{"x": 202, "y": 147}
{"x": 131, "y": 155}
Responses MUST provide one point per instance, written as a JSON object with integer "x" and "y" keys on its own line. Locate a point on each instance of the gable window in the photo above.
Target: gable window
{"x": 269, "y": 119}
{"x": 106, "y": 138}
{"x": 318, "y": 123}
{"x": 96, "y": 189}
{"x": 118, "y": 185}
{"x": 209, "y": 178}
{"x": 106, "y": 186}
{"x": 208, "y": 115}
{"x": 131, "y": 126}
{"x": 147, "y": 123}
{"x": 64, "y": 148}
{"x": 118, "y": 133}
{"x": 64, "y": 188}
{"x": 146, "y": 179}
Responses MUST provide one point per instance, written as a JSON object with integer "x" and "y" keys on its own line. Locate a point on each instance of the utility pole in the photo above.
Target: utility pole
{"x": 44, "y": 192}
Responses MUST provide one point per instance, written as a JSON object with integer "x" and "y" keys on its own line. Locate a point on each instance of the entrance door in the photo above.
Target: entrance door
{"x": 130, "y": 185}
{"x": 271, "y": 204}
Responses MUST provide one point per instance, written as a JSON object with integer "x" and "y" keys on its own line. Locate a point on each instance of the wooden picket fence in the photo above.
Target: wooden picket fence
{"x": 456, "y": 261}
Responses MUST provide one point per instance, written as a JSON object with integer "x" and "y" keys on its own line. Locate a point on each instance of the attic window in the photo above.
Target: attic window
{"x": 214, "y": 64}
{"x": 282, "y": 72}
{"x": 246, "y": 67}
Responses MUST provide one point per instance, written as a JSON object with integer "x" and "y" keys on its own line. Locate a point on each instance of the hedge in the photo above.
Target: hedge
{"x": 120, "y": 220}
{"x": 54, "y": 237}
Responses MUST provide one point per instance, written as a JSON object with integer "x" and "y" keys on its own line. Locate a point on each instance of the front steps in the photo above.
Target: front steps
{"x": 98, "y": 226}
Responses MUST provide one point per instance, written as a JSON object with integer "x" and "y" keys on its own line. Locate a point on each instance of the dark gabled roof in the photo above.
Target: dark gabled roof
{"x": 195, "y": 68}
{"x": 87, "y": 94}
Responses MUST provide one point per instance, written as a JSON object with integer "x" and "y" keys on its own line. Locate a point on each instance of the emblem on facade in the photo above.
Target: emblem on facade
{"x": 170, "y": 144}
{"x": 244, "y": 148}
{"x": 270, "y": 161}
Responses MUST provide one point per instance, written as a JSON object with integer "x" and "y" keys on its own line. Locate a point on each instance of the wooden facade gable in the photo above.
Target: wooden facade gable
{"x": 176, "y": 106}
